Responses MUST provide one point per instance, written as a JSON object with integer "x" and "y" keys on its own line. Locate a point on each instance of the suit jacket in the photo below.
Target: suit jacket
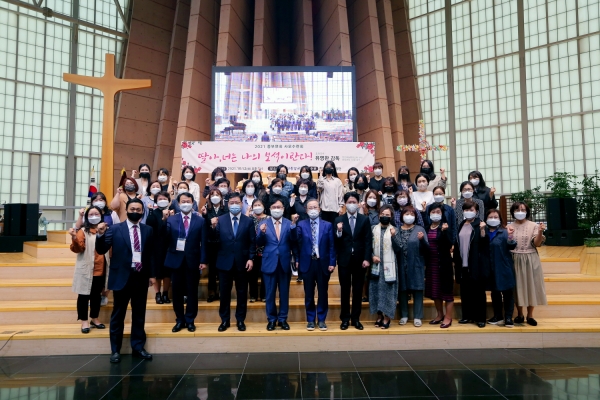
{"x": 117, "y": 237}
{"x": 234, "y": 250}
{"x": 276, "y": 250}
{"x": 361, "y": 241}
{"x": 326, "y": 244}
{"x": 195, "y": 244}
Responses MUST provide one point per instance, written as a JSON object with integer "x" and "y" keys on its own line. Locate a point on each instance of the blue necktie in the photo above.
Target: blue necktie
{"x": 313, "y": 226}
{"x": 235, "y": 226}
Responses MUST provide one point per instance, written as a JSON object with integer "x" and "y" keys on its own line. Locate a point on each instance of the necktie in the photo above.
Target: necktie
{"x": 136, "y": 247}
{"x": 235, "y": 226}
{"x": 277, "y": 228}
{"x": 352, "y": 223}
{"x": 186, "y": 224}
{"x": 313, "y": 228}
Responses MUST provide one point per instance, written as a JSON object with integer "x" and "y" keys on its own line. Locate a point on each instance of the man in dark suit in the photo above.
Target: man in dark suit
{"x": 185, "y": 235}
{"x": 236, "y": 237}
{"x": 131, "y": 273}
{"x": 316, "y": 263}
{"x": 353, "y": 245}
{"x": 275, "y": 234}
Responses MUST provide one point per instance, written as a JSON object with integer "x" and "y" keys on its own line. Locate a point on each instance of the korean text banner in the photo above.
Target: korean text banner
{"x": 244, "y": 157}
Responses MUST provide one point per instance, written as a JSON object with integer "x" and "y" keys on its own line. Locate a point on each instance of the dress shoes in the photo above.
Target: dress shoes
{"x": 165, "y": 298}
{"x": 142, "y": 354}
{"x": 97, "y": 326}
{"x": 159, "y": 299}
{"x": 241, "y": 326}
{"x": 210, "y": 299}
{"x": 179, "y": 326}
{"x": 115, "y": 358}
{"x": 358, "y": 325}
{"x": 284, "y": 325}
{"x": 464, "y": 321}
{"x": 191, "y": 327}
{"x": 481, "y": 324}
{"x": 223, "y": 327}
{"x": 344, "y": 325}
{"x": 85, "y": 330}
{"x": 271, "y": 326}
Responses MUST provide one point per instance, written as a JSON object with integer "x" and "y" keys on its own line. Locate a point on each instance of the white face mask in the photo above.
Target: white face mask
{"x": 218, "y": 177}
{"x": 250, "y": 191}
{"x": 188, "y": 175}
{"x": 162, "y": 203}
{"x": 162, "y": 179}
{"x": 223, "y": 191}
{"x": 469, "y": 214}
{"x": 256, "y": 179}
{"x": 378, "y": 171}
{"x": 352, "y": 207}
{"x": 186, "y": 207}
{"x": 215, "y": 199}
{"x": 409, "y": 219}
{"x": 422, "y": 186}
{"x": 99, "y": 204}
{"x": 94, "y": 219}
{"x": 155, "y": 191}
{"x": 277, "y": 213}
{"x": 258, "y": 210}
{"x": 520, "y": 215}
{"x": 475, "y": 182}
{"x": 302, "y": 191}
{"x": 438, "y": 198}
{"x": 352, "y": 178}
{"x": 277, "y": 189}
{"x": 305, "y": 175}
{"x": 402, "y": 201}
{"x": 313, "y": 214}
{"x": 467, "y": 195}
{"x": 493, "y": 222}
{"x": 372, "y": 202}
{"x": 182, "y": 190}
{"x": 435, "y": 217}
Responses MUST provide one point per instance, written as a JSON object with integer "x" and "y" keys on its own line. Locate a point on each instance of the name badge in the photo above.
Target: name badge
{"x": 180, "y": 245}
{"x": 137, "y": 257}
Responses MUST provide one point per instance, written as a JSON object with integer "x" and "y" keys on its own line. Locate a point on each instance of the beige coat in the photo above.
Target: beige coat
{"x": 84, "y": 266}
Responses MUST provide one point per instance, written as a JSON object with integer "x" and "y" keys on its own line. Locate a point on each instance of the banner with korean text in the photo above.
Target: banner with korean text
{"x": 245, "y": 157}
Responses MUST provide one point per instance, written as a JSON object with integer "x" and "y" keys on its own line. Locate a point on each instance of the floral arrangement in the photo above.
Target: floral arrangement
{"x": 423, "y": 147}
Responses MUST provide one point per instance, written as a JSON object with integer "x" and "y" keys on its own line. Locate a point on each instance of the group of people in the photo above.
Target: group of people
{"x": 291, "y": 122}
{"x": 391, "y": 239}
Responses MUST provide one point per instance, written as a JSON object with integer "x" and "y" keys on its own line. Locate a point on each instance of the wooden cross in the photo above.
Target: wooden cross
{"x": 109, "y": 85}
{"x": 423, "y": 147}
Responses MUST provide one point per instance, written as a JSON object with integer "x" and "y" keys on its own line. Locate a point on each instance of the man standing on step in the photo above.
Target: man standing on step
{"x": 316, "y": 261}
{"x": 131, "y": 273}
{"x": 353, "y": 246}
{"x": 185, "y": 235}
{"x": 234, "y": 232}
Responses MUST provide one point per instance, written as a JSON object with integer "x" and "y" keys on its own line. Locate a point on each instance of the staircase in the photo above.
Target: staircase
{"x": 38, "y": 307}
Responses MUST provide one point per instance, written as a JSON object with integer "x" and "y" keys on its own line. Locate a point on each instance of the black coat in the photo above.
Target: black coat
{"x": 444, "y": 245}
{"x": 478, "y": 267}
{"x": 483, "y": 194}
{"x": 361, "y": 241}
{"x": 155, "y": 220}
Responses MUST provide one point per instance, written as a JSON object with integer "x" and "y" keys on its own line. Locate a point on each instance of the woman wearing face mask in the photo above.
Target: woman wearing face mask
{"x": 261, "y": 191}
{"x": 126, "y": 191}
{"x": 402, "y": 200}
{"x": 109, "y": 217}
{"x": 482, "y": 192}
{"x": 150, "y": 199}
{"x": 331, "y": 192}
{"x": 404, "y": 181}
{"x": 306, "y": 173}
{"x": 469, "y": 270}
{"x": 503, "y": 279}
{"x": 144, "y": 180}
{"x": 439, "y": 196}
{"x": 423, "y": 196}
{"x": 157, "y": 219}
{"x": 530, "y": 290}
{"x": 258, "y": 215}
{"x": 287, "y": 187}
{"x": 213, "y": 209}
{"x": 439, "y": 277}
{"x": 467, "y": 190}
{"x": 434, "y": 180}
{"x": 371, "y": 207}
{"x": 90, "y": 269}
{"x": 383, "y": 284}
{"x": 182, "y": 187}
{"x": 188, "y": 175}
{"x": 210, "y": 183}
{"x": 389, "y": 191}
{"x": 361, "y": 187}
{"x": 276, "y": 194}
{"x": 249, "y": 194}
{"x": 352, "y": 176}
{"x": 411, "y": 265}
{"x": 166, "y": 181}
{"x": 376, "y": 182}
{"x": 298, "y": 203}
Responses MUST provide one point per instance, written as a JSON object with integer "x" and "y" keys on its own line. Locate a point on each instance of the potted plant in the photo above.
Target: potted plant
{"x": 588, "y": 206}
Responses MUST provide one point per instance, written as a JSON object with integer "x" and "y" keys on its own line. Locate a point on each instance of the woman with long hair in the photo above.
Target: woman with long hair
{"x": 331, "y": 192}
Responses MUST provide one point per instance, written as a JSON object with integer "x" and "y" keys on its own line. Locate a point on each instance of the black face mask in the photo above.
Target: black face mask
{"x": 145, "y": 175}
{"x": 282, "y": 176}
{"x": 385, "y": 220}
{"x": 134, "y": 217}
{"x": 328, "y": 171}
{"x": 426, "y": 171}
{"x": 404, "y": 177}
{"x": 361, "y": 186}
{"x": 389, "y": 189}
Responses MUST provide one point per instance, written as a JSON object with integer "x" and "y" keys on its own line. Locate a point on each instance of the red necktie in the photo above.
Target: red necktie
{"x": 186, "y": 224}
{"x": 136, "y": 247}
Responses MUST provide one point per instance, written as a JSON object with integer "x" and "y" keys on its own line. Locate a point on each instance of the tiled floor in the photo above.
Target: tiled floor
{"x": 561, "y": 374}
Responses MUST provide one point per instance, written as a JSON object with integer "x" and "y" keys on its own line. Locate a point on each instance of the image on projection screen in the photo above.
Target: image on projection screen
{"x": 283, "y": 106}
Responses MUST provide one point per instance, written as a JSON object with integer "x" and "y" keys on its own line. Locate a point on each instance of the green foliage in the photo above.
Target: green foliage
{"x": 533, "y": 198}
{"x": 588, "y": 204}
{"x": 562, "y": 185}
{"x": 591, "y": 242}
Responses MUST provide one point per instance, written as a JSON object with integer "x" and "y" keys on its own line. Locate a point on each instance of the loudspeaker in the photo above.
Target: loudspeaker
{"x": 31, "y": 215}
{"x": 21, "y": 219}
{"x": 565, "y": 237}
{"x": 561, "y": 214}
{"x": 12, "y": 219}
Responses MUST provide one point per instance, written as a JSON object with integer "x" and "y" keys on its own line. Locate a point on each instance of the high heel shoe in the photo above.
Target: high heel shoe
{"x": 436, "y": 321}
{"x": 85, "y": 330}
{"x": 386, "y": 325}
{"x": 165, "y": 298}
{"x": 97, "y": 326}
{"x": 158, "y": 298}
{"x": 444, "y": 326}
